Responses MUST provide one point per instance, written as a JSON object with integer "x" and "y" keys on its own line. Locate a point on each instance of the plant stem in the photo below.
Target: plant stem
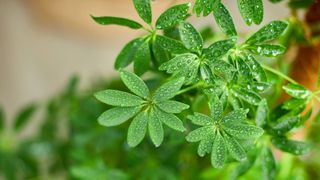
{"x": 279, "y": 74}
{"x": 189, "y": 88}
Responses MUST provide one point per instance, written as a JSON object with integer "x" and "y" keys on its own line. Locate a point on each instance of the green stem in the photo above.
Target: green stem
{"x": 279, "y": 74}
{"x": 189, "y": 88}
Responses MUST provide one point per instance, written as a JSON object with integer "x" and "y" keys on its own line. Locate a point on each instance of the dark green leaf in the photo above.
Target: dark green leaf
{"x": 2, "y": 119}
{"x": 218, "y": 49}
{"x": 169, "y": 119}
{"x": 190, "y": 37}
{"x": 118, "y": 115}
{"x": 108, "y": 20}
{"x": 216, "y": 108}
{"x": 262, "y": 113}
{"x": 224, "y": 19}
{"x": 143, "y": 8}
{"x": 244, "y": 69}
{"x": 247, "y": 95}
{"x": 23, "y": 116}
{"x": 297, "y": 91}
{"x": 218, "y": 154}
{"x": 269, "y": 32}
{"x": 291, "y": 146}
{"x": 172, "y": 16}
{"x": 223, "y": 69}
{"x": 297, "y": 4}
{"x": 285, "y": 125}
{"x": 268, "y": 50}
{"x": 142, "y": 59}
{"x": 135, "y": 84}
{"x": 127, "y": 54}
{"x": 118, "y": 98}
{"x": 243, "y": 131}
{"x": 161, "y": 55}
{"x": 172, "y": 106}
{"x": 200, "y": 119}
{"x": 235, "y": 149}
{"x": 275, "y": 1}
{"x": 137, "y": 129}
{"x": 268, "y": 164}
{"x": 168, "y": 90}
{"x": 251, "y": 11}
{"x": 256, "y": 69}
{"x": 155, "y": 129}
{"x": 205, "y": 6}
{"x": 171, "y": 45}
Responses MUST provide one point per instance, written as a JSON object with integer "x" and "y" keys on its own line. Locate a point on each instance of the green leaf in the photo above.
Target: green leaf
{"x": 224, "y": 19}
{"x": 223, "y": 69}
{"x": 291, "y": 146}
{"x": 137, "y": 129}
{"x": 127, "y": 54}
{"x": 24, "y": 115}
{"x": 117, "y": 115}
{"x": 235, "y": 149}
{"x": 134, "y": 84}
{"x": 172, "y": 16}
{"x": 251, "y": 11}
{"x": 143, "y": 8}
{"x": 200, "y": 119}
{"x": 262, "y": 113}
{"x": 155, "y": 129}
{"x": 294, "y": 104}
{"x": 190, "y": 37}
{"x": 297, "y": 91}
{"x": 243, "y": 131}
{"x": 256, "y": 69}
{"x": 172, "y": 106}
{"x": 247, "y": 95}
{"x": 161, "y": 55}
{"x": 205, "y": 146}
{"x": 286, "y": 125}
{"x": 218, "y": 154}
{"x": 236, "y": 116}
{"x": 108, "y": 20}
{"x": 219, "y": 48}
{"x": 171, "y": 45}
{"x": 118, "y": 98}
{"x": 297, "y": 4}
{"x": 269, "y": 32}
{"x": 268, "y": 50}
{"x": 168, "y": 90}
{"x": 2, "y": 119}
{"x": 142, "y": 59}
{"x": 216, "y": 108}
{"x": 169, "y": 119}
{"x": 199, "y": 134}
{"x": 268, "y": 164}
{"x": 205, "y": 6}
{"x": 244, "y": 69}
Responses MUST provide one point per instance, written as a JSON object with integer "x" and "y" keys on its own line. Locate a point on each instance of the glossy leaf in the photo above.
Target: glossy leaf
{"x": 294, "y": 104}
{"x": 268, "y": 164}
{"x": 223, "y": 69}
{"x": 155, "y": 129}
{"x": 268, "y": 50}
{"x": 135, "y": 84}
{"x": 216, "y": 108}
{"x": 171, "y": 45}
{"x": 285, "y": 125}
{"x": 205, "y": 6}
{"x": 169, "y": 119}
{"x": 256, "y": 69}
{"x": 161, "y": 55}
{"x": 137, "y": 129}
{"x": 219, "y": 48}
{"x": 200, "y": 119}
{"x": 190, "y": 37}
{"x": 142, "y": 59}
{"x": 224, "y": 19}
{"x": 291, "y": 146}
{"x": 247, "y": 95}
{"x": 251, "y": 11}
{"x": 172, "y": 106}
{"x": 168, "y": 90}
{"x": 24, "y": 115}
{"x": 244, "y": 69}
{"x": 143, "y": 8}
{"x": 172, "y": 16}
{"x": 269, "y": 32}
{"x": 262, "y": 113}
{"x": 125, "y": 57}
{"x": 235, "y": 149}
{"x": 118, "y": 98}
{"x": 117, "y": 115}
{"x": 297, "y": 91}
{"x": 109, "y": 20}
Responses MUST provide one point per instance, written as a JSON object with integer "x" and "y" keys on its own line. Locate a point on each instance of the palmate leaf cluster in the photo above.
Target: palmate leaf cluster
{"x": 228, "y": 73}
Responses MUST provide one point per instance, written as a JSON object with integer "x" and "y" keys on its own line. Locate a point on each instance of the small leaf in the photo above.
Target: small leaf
{"x": 172, "y": 106}
{"x": 199, "y": 134}
{"x": 171, "y": 45}
{"x": 269, "y": 32}
{"x": 172, "y": 16}
{"x": 127, "y": 54}
{"x": 218, "y": 154}
{"x": 137, "y": 129}
{"x": 286, "y": 125}
{"x": 155, "y": 129}
{"x": 170, "y": 120}
{"x": 256, "y": 69}
{"x": 190, "y": 37}
{"x": 218, "y": 49}
{"x": 243, "y": 131}
{"x": 297, "y": 91}
{"x": 117, "y": 115}
{"x": 223, "y": 69}
{"x": 291, "y": 146}
{"x": 216, "y": 108}
{"x": 268, "y": 164}
{"x": 267, "y": 50}
{"x": 205, "y": 146}
{"x": 2, "y": 119}
{"x": 262, "y": 113}
{"x": 200, "y": 119}
{"x": 108, "y": 20}
{"x": 118, "y": 98}
{"x": 235, "y": 149}
{"x": 134, "y": 84}
{"x": 244, "y": 69}
{"x": 24, "y": 115}
{"x": 143, "y": 8}
{"x": 204, "y": 6}
{"x": 236, "y": 116}
{"x": 247, "y": 95}
{"x": 251, "y": 11}
{"x": 168, "y": 90}
{"x": 294, "y": 104}
{"x": 224, "y": 19}
{"x": 142, "y": 59}
{"x": 161, "y": 55}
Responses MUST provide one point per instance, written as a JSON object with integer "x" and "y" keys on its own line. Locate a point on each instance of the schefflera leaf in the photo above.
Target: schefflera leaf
{"x": 224, "y": 19}
{"x": 143, "y": 8}
{"x": 110, "y": 20}
{"x": 190, "y": 37}
{"x": 205, "y": 6}
{"x": 127, "y": 54}
{"x": 297, "y": 91}
{"x": 251, "y": 11}
{"x": 173, "y": 16}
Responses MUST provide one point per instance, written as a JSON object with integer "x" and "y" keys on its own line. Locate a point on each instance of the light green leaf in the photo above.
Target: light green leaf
{"x": 117, "y": 115}
{"x": 216, "y": 108}
{"x": 256, "y": 69}
{"x": 137, "y": 129}
{"x": 118, "y": 98}
{"x": 205, "y": 146}
{"x": 2, "y": 120}
{"x": 168, "y": 90}
{"x": 260, "y": 86}
{"x": 171, "y": 45}
{"x": 218, "y": 49}
{"x": 199, "y": 134}
{"x": 172, "y": 16}
{"x": 205, "y": 6}
{"x": 224, "y": 19}
{"x": 268, "y": 164}
{"x": 200, "y": 119}
{"x": 242, "y": 131}
{"x": 142, "y": 59}
{"x": 218, "y": 154}
{"x": 205, "y": 73}
{"x": 297, "y": 91}
{"x": 267, "y": 33}
{"x": 135, "y": 84}
{"x": 190, "y": 37}
{"x": 24, "y": 115}
{"x": 170, "y": 120}
{"x": 125, "y": 57}
{"x": 143, "y": 8}
{"x": 108, "y": 20}
{"x": 262, "y": 113}
{"x": 155, "y": 129}
{"x": 251, "y": 11}
{"x": 247, "y": 95}
{"x": 268, "y": 50}
{"x": 236, "y": 116}
{"x": 286, "y": 124}
{"x": 291, "y": 146}
{"x": 235, "y": 149}
{"x": 294, "y": 104}
{"x": 172, "y": 106}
